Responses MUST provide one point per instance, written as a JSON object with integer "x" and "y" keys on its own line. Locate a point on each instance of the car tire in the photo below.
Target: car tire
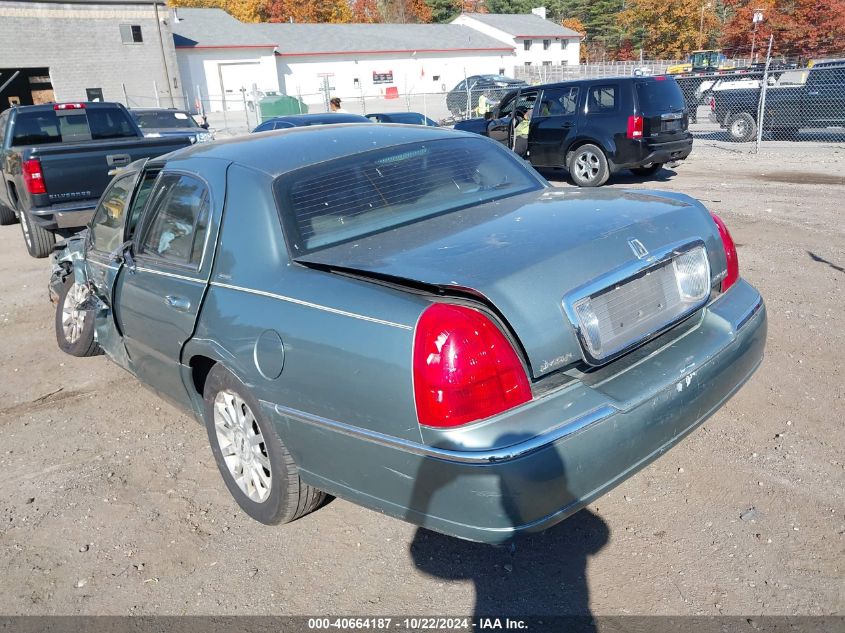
{"x": 588, "y": 166}
{"x": 39, "y": 241}
{"x": 7, "y": 216}
{"x": 269, "y": 488}
{"x": 742, "y": 127}
{"x": 647, "y": 170}
{"x": 74, "y": 327}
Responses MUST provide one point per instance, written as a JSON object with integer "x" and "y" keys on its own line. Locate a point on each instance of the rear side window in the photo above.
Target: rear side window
{"x": 376, "y": 191}
{"x": 602, "y": 99}
{"x": 42, "y": 127}
{"x": 659, "y": 96}
{"x": 178, "y": 221}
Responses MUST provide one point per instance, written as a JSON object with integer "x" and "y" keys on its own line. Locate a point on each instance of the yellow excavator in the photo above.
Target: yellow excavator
{"x": 709, "y": 60}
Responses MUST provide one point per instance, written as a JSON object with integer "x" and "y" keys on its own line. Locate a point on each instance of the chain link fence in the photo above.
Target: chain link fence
{"x": 781, "y": 100}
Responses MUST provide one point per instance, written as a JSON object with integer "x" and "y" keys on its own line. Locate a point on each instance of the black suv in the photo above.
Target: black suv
{"x": 596, "y": 127}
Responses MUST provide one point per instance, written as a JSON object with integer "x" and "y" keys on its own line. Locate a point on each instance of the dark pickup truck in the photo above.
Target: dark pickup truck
{"x": 594, "y": 127}
{"x": 56, "y": 161}
{"x": 816, "y": 101}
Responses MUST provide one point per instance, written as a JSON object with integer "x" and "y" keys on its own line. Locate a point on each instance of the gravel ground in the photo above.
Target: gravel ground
{"x": 111, "y": 502}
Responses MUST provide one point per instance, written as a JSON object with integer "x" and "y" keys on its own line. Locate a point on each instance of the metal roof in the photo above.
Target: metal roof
{"x": 214, "y": 28}
{"x": 523, "y": 24}
{"x": 346, "y": 39}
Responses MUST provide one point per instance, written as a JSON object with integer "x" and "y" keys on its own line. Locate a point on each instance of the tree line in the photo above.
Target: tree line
{"x": 612, "y": 29}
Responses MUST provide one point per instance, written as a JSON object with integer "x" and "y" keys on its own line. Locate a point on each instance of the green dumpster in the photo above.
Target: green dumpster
{"x": 272, "y": 105}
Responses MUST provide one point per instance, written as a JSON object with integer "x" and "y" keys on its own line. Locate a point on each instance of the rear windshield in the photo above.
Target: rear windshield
{"x": 659, "y": 96}
{"x": 376, "y": 191}
{"x": 409, "y": 117}
{"x": 45, "y": 126}
{"x": 164, "y": 119}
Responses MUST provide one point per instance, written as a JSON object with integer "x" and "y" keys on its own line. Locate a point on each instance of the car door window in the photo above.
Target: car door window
{"x": 560, "y": 102}
{"x": 107, "y": 225}
{"x": 524, "y": 100}
{"x": 602, "y": 99}
{"x": 140, "y": 200}
{"x": 177, "y": 221}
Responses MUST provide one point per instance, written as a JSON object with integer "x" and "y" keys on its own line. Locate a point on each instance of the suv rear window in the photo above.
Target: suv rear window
{"x": 45, "y": 126}
{"x": 659, "y": 96}
{"x": 373, "y": 192}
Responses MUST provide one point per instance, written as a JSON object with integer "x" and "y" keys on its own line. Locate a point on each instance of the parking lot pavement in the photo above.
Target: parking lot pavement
{"x": 112, "y": 504}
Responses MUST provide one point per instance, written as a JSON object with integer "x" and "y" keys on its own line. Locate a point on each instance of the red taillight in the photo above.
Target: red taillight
{"x": 69, "y": 106}
{"x": 712, "y": 103}
{"x": 464, "y": 368}
{"x": 635, "y": 127}
{"x": 730, "y": 254}
{"x": 33, "y": 177}
{"x": 660, "y": 78}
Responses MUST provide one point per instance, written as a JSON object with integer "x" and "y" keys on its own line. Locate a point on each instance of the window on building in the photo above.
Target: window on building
{"x": 527, "y": 44}
{"x": 527, "y": 64}
{"x": 547, "y": 44}
{"x": 383, "y": 78}
{"x": 501, "y": 71}
{"x": 547, "y": 63}
{"x": 131, "y": 34}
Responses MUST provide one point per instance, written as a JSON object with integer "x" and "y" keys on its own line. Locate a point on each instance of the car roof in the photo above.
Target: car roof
{"x": 281, "y": 151}
{"x": 321, "y": 117}
{"x": 143, "y": 110}
{"x": 89, "y": 105}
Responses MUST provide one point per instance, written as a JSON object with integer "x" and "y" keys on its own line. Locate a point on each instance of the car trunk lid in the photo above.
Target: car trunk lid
{"x": 524, "y": 254}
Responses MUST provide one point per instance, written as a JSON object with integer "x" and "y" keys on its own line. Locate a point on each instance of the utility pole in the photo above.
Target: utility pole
{"x": 755, "y": 20}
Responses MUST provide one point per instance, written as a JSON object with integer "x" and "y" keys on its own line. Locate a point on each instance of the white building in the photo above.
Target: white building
{"x": 219, "y": 55}
{"x": 222, "y": 59}
{"x": 537, "y": 41}
{"x": 371, "y": 60}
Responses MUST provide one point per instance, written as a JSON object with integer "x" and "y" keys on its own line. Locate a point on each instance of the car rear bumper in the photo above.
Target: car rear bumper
{"x": 603, "y": 434}
{"x": 648, "y": 152}
{"x": 64, "y": 216}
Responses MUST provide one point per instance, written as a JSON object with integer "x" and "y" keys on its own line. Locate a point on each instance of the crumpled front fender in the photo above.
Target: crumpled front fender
{"x": 68, "y": 260}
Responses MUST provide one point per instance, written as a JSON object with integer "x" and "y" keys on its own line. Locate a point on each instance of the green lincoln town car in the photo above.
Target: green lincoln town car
{"x": 412, "y": 319}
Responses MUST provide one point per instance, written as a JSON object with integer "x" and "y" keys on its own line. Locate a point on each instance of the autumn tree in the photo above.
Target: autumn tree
{"x": 800, "y": 27}
{"x": 365, "y": 12}
{"x": 243, "y": 10}
{"x": 474, "y": 6}
{"x": 325, "y": 11}
{"x": 599, "y": 20}
{"x": 405, "y": 11}
{"x": 667, "y": 29}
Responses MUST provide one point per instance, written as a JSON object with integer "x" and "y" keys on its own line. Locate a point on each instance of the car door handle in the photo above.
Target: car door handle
{"x": 565, "y": 126}
{"x": 118, "y": 160}
{"x": 813, "y": 93}
{"x": 178, "y": 303}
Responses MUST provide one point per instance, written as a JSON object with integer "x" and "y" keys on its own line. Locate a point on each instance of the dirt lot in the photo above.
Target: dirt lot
{"x": 111, "y": 502}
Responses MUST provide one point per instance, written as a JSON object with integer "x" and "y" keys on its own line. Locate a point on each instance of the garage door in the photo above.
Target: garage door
{"x": 234, "y": 77}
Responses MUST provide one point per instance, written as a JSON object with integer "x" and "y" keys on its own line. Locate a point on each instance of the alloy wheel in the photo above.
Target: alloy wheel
{"x": 73, "y": 319}
{"x": 587, "y": 165}
{"x": 242, "y": 445}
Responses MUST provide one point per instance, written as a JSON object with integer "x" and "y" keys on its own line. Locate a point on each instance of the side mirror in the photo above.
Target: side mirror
{"x": 205, "y": 125}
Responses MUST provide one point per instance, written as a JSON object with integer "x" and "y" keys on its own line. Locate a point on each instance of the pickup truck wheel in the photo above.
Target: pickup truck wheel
{"x": 647, "y": 170}
{"x": 742, "y": 127}
{"x": 255, "y": 464}
{"x": 588, "y": 166}
{"x": 7, "y": 216}
{"x": 75, "y": 327}
{"x": 39, "y": 241}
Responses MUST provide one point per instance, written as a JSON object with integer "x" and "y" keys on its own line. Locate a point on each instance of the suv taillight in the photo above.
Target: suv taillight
{"x": 33, "y": 177}
{"x": 635, "y": 127}
{"x": 730, "y": 253}
{"x": 464, "y": 368}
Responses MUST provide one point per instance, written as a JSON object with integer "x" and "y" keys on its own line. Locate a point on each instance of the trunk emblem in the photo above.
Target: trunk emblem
{"x": 637, "y": 247}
